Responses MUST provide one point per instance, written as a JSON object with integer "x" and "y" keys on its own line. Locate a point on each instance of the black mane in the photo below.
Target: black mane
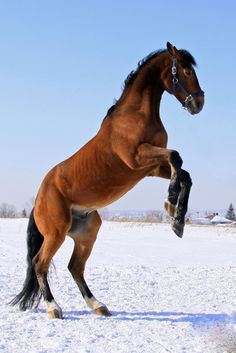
{"x": 133, "y": 74}
{"x": 186, "y": 58}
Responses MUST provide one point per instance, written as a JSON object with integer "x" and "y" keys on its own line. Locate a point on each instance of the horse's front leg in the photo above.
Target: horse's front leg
{"x": 168, "y": 165}
{"x": 182, "y": 205}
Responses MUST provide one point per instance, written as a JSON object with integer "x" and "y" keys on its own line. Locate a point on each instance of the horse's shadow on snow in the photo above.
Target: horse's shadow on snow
{"x": 196, "y": 319}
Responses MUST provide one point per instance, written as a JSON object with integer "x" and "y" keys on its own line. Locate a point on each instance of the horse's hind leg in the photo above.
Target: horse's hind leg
{"x": 84, "y": 233}
{"x": 53, "y": 225}
{"x": 41, "y": 264}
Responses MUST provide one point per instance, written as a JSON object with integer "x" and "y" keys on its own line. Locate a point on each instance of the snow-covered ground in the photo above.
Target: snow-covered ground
{"x": 166, "y": 294}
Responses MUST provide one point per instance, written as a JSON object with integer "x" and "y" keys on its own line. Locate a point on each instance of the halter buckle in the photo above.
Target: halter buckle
{"x": 188, "y": 98}
{"x": 174, "y": 70}
{"x": 175, "y": 80}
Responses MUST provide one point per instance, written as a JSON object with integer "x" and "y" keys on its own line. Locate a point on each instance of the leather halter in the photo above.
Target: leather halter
{"x": 175, "y": 81}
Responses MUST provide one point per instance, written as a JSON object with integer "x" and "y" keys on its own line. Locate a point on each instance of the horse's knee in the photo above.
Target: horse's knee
{"x": 52, "y": 242}
{"x": 175, "y": 159}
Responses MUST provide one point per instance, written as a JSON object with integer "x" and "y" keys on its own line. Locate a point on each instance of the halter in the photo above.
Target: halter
{"x": 175, "y": 81}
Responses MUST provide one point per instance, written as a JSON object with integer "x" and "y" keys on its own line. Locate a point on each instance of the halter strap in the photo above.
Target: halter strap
{"x": 175, "y": 81}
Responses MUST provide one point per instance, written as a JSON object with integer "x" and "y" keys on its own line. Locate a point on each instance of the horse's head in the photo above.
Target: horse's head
{"x": 180, "y": 79}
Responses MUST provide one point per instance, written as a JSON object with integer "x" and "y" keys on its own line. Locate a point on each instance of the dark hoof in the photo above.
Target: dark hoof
{"x": 102, "y": 311}
{"x": 55, "y": 314}
{"x": 178, "y": 228}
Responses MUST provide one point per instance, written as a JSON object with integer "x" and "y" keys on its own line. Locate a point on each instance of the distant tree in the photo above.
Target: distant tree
{"x": 153, "y": 216}
{"x": 7, "y": 211}
{"x": 230, "y": 213}
{"x": 23, "y": 213}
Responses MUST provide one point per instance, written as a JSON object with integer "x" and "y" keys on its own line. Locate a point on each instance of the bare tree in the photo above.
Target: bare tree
{"x": 155, "y": 216}
{"x": 7, "y": 211}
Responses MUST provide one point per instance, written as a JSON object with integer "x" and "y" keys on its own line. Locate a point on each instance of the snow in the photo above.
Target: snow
{"x": 201, "y": 220}
{"x": 167, "y": 295}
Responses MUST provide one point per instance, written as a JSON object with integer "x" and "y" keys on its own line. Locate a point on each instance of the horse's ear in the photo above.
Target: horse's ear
{"x": 171, "y": 49}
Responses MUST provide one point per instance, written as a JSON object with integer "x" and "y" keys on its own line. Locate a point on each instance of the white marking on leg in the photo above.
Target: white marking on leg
{"x": 50, "y": 306}
{"x": 171, "y": 209}
{"x": 93, "y": 303}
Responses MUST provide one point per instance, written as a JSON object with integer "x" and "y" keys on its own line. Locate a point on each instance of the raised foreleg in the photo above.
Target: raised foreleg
{"x": 167, "y": 164}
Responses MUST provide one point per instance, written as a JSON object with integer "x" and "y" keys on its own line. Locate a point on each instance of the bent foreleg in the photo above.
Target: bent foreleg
{"x": 182, "y": 206}
{"x": 168, "y": 165}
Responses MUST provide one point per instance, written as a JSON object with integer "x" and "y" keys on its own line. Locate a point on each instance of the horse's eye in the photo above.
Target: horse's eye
{"x": 188, "y": 72}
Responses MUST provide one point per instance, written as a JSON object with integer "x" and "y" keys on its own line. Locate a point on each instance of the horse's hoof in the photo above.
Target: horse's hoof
{"x": 102, "y": 311}
{"x": 170, "y": 208}
{"x": 55, "y": 314}
{"x": 178, "y": 228}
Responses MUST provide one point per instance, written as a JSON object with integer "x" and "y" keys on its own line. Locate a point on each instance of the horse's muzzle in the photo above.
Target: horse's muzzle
{"x": 194, "y": 104}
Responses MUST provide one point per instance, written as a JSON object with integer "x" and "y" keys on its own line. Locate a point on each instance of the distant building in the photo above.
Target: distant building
{"x": 220, "y": 220}
{"x": 212, "y": 215}
{"x": 212, "y": 218}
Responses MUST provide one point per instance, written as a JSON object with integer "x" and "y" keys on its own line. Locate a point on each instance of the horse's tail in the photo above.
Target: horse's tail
{"x": 30, "y": 294}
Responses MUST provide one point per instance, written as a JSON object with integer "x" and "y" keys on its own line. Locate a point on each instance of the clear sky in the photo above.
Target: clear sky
{"x": 62, "y": 63}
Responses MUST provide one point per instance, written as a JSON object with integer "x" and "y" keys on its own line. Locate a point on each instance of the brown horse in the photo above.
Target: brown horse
{"x": 130, "y": 145}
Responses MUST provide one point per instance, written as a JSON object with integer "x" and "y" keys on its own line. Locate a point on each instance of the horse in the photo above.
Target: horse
{"x": 131, "y": 144}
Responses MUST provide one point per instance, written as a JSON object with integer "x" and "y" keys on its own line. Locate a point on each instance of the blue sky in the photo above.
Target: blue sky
{"x": 62, "y": 63}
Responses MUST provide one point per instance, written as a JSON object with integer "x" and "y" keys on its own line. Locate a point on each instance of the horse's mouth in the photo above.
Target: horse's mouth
{"x": 194, "y": 105}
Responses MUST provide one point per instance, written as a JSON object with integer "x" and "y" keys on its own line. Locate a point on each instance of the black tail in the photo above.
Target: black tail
{"x": 30, "y": 294}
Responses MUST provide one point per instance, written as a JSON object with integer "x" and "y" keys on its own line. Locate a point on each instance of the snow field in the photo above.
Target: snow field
{"x": 166, "y": 294}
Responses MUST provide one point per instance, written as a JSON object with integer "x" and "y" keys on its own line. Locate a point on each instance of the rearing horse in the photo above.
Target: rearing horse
{"x": 130, "y": 145}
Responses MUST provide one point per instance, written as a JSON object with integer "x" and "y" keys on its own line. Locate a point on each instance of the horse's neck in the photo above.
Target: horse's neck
{"x": 144, "y": 94}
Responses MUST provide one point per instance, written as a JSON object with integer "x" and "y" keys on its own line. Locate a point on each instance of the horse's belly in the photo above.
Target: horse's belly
{"x": 102, "y": 195}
